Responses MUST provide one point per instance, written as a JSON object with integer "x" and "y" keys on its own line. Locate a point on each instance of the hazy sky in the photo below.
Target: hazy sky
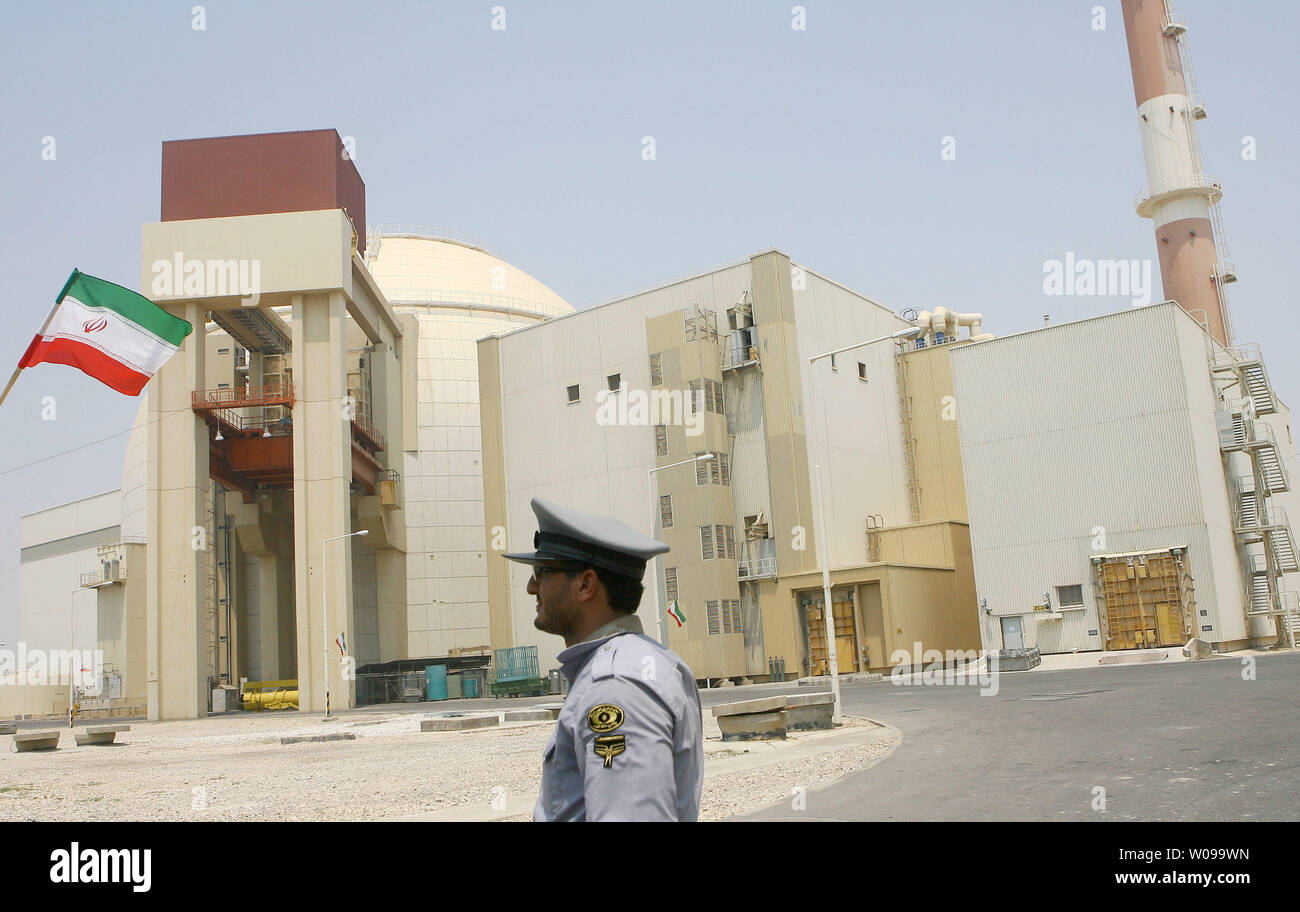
{"x": 824, "y": 142}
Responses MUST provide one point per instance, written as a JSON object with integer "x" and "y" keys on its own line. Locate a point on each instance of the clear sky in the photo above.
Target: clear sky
{"x": 824, "y": 142}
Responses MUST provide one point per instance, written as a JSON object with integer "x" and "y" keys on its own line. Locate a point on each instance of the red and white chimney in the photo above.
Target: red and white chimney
{"x": 1179, "y": 195}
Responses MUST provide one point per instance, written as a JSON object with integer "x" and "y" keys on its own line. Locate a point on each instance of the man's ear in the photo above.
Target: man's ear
{"x": 588, "y": 585}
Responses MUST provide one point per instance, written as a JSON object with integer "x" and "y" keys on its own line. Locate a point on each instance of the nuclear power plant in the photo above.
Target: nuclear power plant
{"x": 319, "y": 485}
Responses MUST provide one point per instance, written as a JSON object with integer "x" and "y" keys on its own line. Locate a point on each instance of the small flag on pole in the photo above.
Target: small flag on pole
{"x": 342, "y": 644}
{"x": 675, "y": 612}
{"x": 109, "y": 332}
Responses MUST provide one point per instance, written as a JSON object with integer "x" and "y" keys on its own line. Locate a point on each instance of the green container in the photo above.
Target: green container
{"x": 454, "y": 686}
{"x": 471, "y": 688}
{"x": 435, "y": 678}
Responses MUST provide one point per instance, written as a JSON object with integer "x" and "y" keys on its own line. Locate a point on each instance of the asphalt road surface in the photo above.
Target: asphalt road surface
{"x": 1181, "y": 741}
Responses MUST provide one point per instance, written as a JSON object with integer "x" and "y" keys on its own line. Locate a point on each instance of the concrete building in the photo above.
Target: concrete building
{"x": 408, "y": 460}
{"x": 1128, "y": 481}
{"x": 457, "y": 292}
{"x": 84, "y": 582}
{"x": 597, "y": 410}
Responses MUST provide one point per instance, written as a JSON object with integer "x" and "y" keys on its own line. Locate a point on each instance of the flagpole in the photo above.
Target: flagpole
{"x": 44, "y": 326}
{"x": 10, "y": 385}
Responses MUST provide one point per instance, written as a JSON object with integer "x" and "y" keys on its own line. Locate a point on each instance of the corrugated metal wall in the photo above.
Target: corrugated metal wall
{"x": 1076, "y": 441}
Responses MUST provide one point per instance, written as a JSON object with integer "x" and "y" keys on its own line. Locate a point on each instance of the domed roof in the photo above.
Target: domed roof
{"x": 424, "y": 266}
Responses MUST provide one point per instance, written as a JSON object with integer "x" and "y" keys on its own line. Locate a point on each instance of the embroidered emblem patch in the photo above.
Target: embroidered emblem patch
{"x": 609, "y": 747}
{"x": 605, "y": 718}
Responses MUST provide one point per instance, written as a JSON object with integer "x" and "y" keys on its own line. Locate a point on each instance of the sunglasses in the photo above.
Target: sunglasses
{"x": 540, "y": 573}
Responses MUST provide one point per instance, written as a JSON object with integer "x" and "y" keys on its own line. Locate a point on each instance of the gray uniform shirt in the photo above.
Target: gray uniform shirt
{"x": 629, "y": 742}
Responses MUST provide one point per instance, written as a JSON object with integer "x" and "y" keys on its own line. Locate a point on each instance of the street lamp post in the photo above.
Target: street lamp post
{"x": 654, "y": 578}
{"x": 823, "y": 533}
{"x": 72, "y": 647}
{"x": 325, "y": 611}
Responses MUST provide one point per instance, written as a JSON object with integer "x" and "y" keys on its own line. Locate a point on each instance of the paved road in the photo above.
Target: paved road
{"x": 1183, "y": 741}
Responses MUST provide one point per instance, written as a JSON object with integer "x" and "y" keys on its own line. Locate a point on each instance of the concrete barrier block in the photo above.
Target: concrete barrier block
{"x": 99, "y": 734}
{"x": 764, "y": 726}
{"x": 36, "y": 741}
{"x": 810, "y": 717}
{"x": 552, "y": 708}
{"x": 761, "y": 705}
{"x": 1134, "y": 657}
{"x": 1197, "y": 648}
{"x": 527, "y": 715}
{"x": 8, "y": 728}
{"x": 458, "y": 723}
{"x": 809, "y": 699}
{"x": 306, "y": 739}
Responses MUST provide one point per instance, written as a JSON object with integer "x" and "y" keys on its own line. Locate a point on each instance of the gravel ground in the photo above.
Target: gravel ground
{"x": 234, "y": 768}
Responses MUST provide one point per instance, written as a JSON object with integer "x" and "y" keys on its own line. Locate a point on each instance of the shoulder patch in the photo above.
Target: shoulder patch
{"x": 605, "y": 718}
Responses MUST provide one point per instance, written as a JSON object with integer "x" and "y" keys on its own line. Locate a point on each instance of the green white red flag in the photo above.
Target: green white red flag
{"x": 109, "y": 332}
{"x": 675, "y": 612}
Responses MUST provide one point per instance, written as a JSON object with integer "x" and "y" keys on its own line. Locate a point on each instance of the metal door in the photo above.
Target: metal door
{"x": 846, "y": 641}
{"x": 1012, "y": 637}
{"x": 1144, "y": 601}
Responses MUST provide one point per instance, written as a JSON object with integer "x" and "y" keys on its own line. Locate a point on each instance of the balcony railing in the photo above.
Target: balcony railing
{"x": 241, "y": 397}
{"x": 1210, "y": 187}
{"x": 368, "y": 431}
{"x": 758, "y": 568}
{"x": 106, "y": 575}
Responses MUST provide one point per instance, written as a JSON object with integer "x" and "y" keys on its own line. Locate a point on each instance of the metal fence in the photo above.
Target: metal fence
{"x": 515, "y": 664}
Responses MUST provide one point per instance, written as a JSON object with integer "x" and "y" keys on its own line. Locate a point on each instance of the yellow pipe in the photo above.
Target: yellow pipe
{"x": 280, "y": 698}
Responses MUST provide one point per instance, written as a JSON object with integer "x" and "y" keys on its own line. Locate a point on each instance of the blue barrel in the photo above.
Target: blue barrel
{"x": 471, "y": 687}
{"x": 435, "y": 677}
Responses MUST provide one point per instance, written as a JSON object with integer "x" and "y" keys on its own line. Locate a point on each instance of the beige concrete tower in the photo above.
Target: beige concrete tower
{"x": 1180, "y": 199}
{"x": 323, "y": 482}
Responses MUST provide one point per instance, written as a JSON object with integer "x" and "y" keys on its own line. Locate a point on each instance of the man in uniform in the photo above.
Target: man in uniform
{"x": 628, "y": 744}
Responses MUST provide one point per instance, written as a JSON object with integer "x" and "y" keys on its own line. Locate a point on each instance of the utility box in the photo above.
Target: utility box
{"x": 225, "y": 698}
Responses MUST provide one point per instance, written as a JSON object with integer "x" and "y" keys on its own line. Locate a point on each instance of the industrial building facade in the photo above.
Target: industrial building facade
{"x": 1127, "y": 481}
{"x": 584, "y": 410}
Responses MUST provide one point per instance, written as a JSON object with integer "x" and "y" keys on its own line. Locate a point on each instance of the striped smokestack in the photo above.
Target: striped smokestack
{"x": 1179, "y": 195}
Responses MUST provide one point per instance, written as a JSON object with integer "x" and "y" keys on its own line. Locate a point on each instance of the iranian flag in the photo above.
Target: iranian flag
{"x": 675, "y": 612}
{"x": 109, "y": 332}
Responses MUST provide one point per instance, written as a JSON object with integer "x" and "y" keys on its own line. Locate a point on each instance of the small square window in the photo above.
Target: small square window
{"x": 573, "y": 393}
{"x": 615, "y": 382}
{"x": 223, "y": 351}
{"x": 862, "y": 371}
{"x": 1069, "y": 596}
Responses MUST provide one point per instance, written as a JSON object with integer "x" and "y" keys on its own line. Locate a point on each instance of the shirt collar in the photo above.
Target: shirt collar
{"x": 574, "y": 657}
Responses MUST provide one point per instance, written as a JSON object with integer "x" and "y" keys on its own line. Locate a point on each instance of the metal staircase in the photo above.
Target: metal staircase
{"x": 1255, "y": 438}
{"x": 1278, "y": 534}
{"x": 1259, "y": 597}
{"x": 1260, "y": 526}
